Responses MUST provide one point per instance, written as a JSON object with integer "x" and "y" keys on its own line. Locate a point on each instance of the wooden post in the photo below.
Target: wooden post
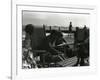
{"x": 59, "y": 28}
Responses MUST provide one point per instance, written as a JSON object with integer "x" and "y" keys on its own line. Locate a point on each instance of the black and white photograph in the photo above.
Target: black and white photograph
{"x": 55, "y": 39}
{"x": 52, "y": 41}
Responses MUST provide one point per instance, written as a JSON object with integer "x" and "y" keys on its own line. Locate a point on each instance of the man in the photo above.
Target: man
{"x": 55, "y": 38}
{"x": 82, "y": 45}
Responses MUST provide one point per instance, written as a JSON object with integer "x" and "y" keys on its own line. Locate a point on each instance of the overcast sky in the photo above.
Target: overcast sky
{"x": 55, "y": 19}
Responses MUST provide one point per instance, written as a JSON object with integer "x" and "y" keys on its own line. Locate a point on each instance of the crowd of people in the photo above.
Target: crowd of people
{"x": 54, "y": 53}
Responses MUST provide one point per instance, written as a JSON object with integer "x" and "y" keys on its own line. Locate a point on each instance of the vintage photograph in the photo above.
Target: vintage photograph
{"x": 55, "y": 39}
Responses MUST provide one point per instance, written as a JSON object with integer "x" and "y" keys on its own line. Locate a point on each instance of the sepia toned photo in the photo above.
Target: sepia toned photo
{"x": 55, "y": 39}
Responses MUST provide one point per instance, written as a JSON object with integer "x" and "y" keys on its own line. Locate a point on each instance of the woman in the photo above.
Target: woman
{"x": 28, "y": 56}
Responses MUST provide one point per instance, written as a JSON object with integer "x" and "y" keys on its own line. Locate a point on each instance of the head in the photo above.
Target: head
{"x": 29, "y": 29}
{"x": 56, "y": 34}
{"x": 77, "y": 28}
{"x": 85, "y": 27}
{"x": 59, "y": 34}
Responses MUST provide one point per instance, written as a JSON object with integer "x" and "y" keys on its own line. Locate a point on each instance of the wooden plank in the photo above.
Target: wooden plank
{"x": 68, "y": 62}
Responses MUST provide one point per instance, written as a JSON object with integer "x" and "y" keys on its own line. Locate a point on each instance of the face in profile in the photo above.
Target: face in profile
{"x": 27, "y": 43}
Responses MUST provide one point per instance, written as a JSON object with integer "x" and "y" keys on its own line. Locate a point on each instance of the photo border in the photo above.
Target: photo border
{"x": 12, "y": 69}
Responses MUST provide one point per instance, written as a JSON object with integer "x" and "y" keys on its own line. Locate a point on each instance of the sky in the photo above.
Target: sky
{"x": 55, "y": 19}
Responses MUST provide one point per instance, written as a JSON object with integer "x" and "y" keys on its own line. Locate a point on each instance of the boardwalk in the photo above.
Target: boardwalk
{"x": 71, "y": 62}
{"x": 68, "y": 62}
